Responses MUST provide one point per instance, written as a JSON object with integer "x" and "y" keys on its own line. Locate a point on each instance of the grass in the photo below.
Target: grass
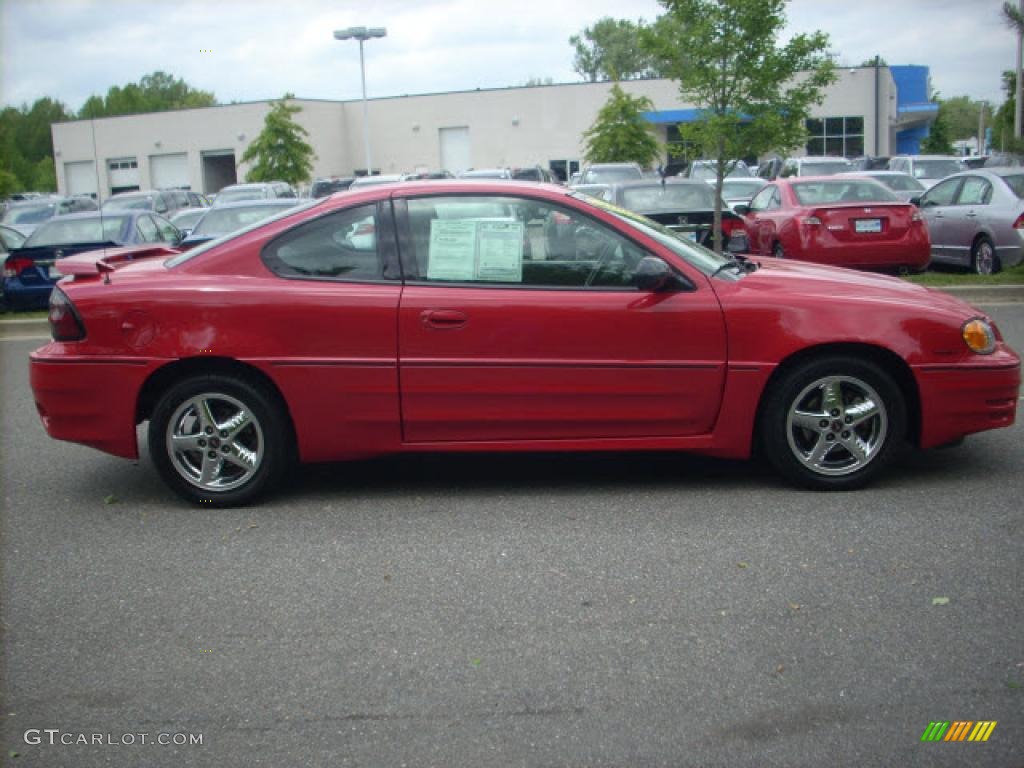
{"x": 1012, "y": 276}
{"x": 40, "y": 315}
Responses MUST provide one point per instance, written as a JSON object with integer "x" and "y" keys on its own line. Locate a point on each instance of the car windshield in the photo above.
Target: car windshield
{"x": 188, "y": 218}
{"x": 608, "y": 175}
{"x": 29, "y": 214}
{"x": 854, "y": 191}
{"x": 700, "y": 257}
{"x": 824, "y": 168}
{"x": 707, "y": 171}
{"x": 902, "y": 183}
{"x": 129, "y": 203}
{"x": 243, "y": 193}
{"x": 1015, "y": 183}
{"x": 219, "y": 221}
{"x": 193, "y": 252}
{"x": 741, "y": 189}
{"x": 670, "y": 197}
{"x": 936, "y": 169}
{"x": 65, "y": 231}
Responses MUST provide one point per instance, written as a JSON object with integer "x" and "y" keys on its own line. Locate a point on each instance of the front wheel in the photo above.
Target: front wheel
{"x": 832, "y": 423}
{"x": 218, "y": 440}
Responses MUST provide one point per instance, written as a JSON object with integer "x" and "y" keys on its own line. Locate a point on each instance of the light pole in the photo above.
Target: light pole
{"x": 362, "y": 34}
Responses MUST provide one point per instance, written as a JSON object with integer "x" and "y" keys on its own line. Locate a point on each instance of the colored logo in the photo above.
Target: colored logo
{"x": 958, "y": 730}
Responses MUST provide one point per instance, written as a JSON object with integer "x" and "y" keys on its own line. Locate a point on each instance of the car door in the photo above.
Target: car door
{"x": 519, "y": 320}
{"x": 761, "y": 223}
{"x": 936, "y": 206}
{"x": 964, "y": 219}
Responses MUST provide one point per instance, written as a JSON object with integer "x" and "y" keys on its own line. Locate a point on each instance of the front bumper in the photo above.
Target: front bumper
{"x": 958, "y": 400}
{"x": 88, "y": 400}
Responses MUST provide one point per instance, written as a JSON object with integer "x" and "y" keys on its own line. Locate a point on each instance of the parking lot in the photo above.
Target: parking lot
{"x": 571, "y": 610}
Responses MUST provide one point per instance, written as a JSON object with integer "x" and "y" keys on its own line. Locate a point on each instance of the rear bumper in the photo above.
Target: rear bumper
{"x": 18, "y": 295}
{"x": 88, "y": 400}
{"x": 961, "y": 400}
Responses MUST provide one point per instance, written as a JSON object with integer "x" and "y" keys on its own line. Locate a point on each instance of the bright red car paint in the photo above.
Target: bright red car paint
{"x": 826, "y": 233}
{"x": 378, "y": 367}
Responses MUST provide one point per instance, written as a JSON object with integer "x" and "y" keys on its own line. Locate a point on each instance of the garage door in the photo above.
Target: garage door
{"x": 455, "y": 154}
{"x": 123, "y": 174}
{"x": 80, "y": 178}
{"x": 167, "y": 171}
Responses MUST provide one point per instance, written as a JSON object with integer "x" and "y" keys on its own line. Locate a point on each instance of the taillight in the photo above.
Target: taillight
{"x": 729, "y": 225}
{"x": 1019, "y": 223}
{"x": 916, "y": 216}
{"x": 65, "y": 324}
{"x": 14, "y": 267}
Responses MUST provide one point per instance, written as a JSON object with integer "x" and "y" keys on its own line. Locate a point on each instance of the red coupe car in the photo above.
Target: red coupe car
{"x": 486, "y": 316}
{"x": 843, "y": 221}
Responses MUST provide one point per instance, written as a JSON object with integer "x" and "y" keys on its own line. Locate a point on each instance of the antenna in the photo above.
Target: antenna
{"x": 96, "y": 170}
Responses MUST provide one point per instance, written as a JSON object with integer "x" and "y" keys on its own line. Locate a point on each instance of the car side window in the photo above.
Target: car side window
{"x": 168, "y": 232}
{"x": 975, "y": 191}
{"x": 942, "y": 193}
{"x": 341, "y": 245}
{"x": 148, "y": 232}
{"x": 509, "y": 241}
{"x": 762, "y": 199}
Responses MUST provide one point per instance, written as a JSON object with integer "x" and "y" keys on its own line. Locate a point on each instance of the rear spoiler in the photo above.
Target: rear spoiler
{"x": 105, "y": 261}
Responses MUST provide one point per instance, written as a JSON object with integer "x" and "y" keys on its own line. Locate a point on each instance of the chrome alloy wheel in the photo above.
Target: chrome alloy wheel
{"x": 215, "y": 442}
{"x": 837, "y": 425}
{"x": 984, "y": 258}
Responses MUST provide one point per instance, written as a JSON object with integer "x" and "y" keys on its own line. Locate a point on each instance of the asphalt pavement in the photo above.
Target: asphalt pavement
{"x": 569, "y": 610}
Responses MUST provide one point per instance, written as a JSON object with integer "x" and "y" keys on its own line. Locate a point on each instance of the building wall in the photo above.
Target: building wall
{"x": 507, "y": 127}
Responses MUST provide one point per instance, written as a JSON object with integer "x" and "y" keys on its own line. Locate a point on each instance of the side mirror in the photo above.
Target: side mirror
{"x": 652, "y": 274}
{"x": 915, "y": 201}
{"x": 742, "y": 209}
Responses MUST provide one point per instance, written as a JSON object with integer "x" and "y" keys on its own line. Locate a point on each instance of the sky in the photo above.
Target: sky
{"x": 251, "y": 50}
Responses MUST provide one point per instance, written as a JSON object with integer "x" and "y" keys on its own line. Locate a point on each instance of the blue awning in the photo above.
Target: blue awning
{"x": 672, "y": 116}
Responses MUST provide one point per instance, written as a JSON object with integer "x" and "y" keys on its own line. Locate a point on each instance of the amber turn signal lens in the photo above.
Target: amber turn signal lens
{"x": 978, "y": 335}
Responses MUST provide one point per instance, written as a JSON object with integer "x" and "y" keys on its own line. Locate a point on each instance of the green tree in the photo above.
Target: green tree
{"x": 44, "y": 177}
{"x": 9, "y": 184}
{"x": 724, "y": 55}
{"x": 620, "y": 133}
{"x": 961, "y": 116}
{"x": 610, "y": 50}
{"x": 25, "y": 142}
{"x": 155, "y": 92}
{"x": 938, "y": 142}
{"x": 280, "y": 153}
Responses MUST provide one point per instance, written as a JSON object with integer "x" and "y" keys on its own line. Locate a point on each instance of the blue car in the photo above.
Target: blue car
{"x": 30, "y": 271}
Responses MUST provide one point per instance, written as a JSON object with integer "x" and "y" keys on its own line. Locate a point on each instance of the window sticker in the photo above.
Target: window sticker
{"x": 462, "y": 250}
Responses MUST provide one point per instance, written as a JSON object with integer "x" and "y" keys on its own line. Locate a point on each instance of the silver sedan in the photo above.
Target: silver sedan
{"x": 976, "y": 219}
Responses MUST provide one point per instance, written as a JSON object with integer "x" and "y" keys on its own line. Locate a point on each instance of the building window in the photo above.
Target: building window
{"x": 835, "y": 136}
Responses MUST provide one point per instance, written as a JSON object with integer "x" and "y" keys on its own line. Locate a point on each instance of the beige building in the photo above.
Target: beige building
{"x": 540, "y": 125}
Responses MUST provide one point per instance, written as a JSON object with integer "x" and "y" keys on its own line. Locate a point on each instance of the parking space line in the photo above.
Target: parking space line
{"x": 24, "y": 338}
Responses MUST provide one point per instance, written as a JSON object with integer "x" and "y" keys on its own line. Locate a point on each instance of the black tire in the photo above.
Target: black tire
{"x": 778, "y": 251}
{"x": 828, "y": 420}
{"x": 245, "y": 459}
{"x": 984, "y": 259}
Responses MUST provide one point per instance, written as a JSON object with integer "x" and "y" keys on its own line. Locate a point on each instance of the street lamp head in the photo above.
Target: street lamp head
{"x": 359, "y": 33}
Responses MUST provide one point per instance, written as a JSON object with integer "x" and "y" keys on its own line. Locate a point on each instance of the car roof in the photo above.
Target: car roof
{"x": 286, "y": 202}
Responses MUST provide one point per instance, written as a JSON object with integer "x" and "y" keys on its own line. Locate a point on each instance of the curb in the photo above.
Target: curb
{"x": 14, "y": 327}
{"x": 985, "y": 294}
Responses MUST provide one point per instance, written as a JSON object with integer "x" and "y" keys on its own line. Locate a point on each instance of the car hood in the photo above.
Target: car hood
{"x": 775, "y": 280}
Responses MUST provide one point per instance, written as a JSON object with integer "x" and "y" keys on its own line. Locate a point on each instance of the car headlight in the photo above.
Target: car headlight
{"x": 979, "y": 336}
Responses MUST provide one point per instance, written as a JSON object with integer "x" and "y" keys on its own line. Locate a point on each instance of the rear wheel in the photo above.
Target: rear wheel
{"x": 984, "y": 260}
{"x": 832, "y": 423}
{"x": 219, "y": 440}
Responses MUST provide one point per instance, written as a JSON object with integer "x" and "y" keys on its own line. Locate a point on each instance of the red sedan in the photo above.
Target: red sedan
{"x": 482, "y": 316}
{"x": 844, "y": 221}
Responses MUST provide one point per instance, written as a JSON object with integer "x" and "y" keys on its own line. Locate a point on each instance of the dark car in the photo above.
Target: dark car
{"x": 31, "y": 270}
{"x": 26, "y": 215}
{"x": 470, "y": 325}
{"x": 325, "y": 187}
{"x": 686, "y": 206}
{"x": 229, "y": 217}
